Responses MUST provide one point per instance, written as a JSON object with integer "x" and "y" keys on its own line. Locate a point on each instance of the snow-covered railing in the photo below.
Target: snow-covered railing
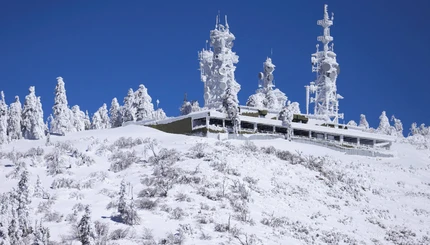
{"x": 370, "y": 152}
{"x": 255, "y": 136}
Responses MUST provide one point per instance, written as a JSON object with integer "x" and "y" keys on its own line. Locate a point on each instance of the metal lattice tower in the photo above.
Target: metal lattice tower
{"x": 325, "y": 66}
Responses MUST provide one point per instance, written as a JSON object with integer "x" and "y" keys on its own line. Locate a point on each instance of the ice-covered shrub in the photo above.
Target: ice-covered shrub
{"x": 269, "y": 150}
{"x": 199, "y": 150}
{"x": 122, "y": 160}
{"x": 272, "y": 221}
{"x": 119, "y": 234}
{"x": 65, "y": 183}
{"x": 34, "y": 152}
{"x": 101, "y": 232}
{"x": 84, "y": 159}
{"x": 44, "y": 206}
{"x": 55, "y": 162}
{"x": 399, "y": 235}
{"x": 53, "y": 217}
{"x": 146, "y": 203}
{"x": 65, "y": 146}
{"x": 182, "y": 197}
{"x": 249, "y": 146}
{"x": 177, "y": 213}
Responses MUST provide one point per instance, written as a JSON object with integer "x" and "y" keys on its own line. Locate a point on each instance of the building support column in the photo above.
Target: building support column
{"x": 341, "y": 139}
{"x": 374, "y": 144}
{"x": 310, "y": 134}
{"x": 255, "y": 128}
{"x": 358, "y": 141}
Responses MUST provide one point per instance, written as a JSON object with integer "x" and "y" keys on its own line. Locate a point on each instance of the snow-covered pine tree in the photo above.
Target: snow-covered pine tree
{"x": 85, "y": 231}
{"x": 38, "y": 189}
{"x": 363, "y": 122}
{"x": 130, "y": 216}
{"x": 159, "y": 114}
{"x": 231, "y": 107}
{"x": 384, "y": 124}
{"x": 115, "y": 114}
{"x": 62, "y": 122}
{"x": 286, "y": 116}
{"x": 78, "y": 118}
{"x": 23, "y": 199}
{"x": 96, "y": 121}
{"x": 14, "y": 120}
{"x": 87, "y": 121}
{"x": 41, "y": 234}
{"x": 129, "y": 111}
{"x": 295, "y": 107}
{"x": 32, "y": 124}
{"x": 143, "y": 104}
{"x": 189, "y": 106}
{"x": 414, "y": 130}
{"x": 352, "y": 123}
{"x": 101, "y": 118}
{"x": 3, "y": 119}
{"x": 185, "y": 108}
{"x": 398, "y": 127}
{"x": 122, "y": 205}
{"x": 257, "y": 100}
{"x": 271, "y": 101}
{"x": 104, "y": 116}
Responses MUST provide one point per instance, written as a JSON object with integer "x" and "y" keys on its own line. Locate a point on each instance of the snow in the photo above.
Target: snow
{"x": 347, "y": 198}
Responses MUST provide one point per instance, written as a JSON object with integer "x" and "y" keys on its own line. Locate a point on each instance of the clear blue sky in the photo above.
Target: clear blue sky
{"x": 102, "y": 48}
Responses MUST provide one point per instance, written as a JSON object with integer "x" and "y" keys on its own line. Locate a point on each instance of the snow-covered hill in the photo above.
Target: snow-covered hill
{"x": 192, "y": 190}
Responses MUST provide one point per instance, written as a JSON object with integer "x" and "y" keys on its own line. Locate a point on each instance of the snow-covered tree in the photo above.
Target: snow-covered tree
{"x": 352, "y": 123}
{"x": 398, "y": 127}
{"x": 85, "y": 231}
{"x": 101, "y": 118}
{"x": 130, "y": 216}
{"x": 23, "y": 199}
{"x": 257, "y": 100}
{"x": 231, "y": 106}
{"x": 38, "y": 189}
{"x": 3, "y": 120}
{"x": 96, "y": 121}
{"x": 78, "y": 118}
{"x": 189, "y": 106}
{"x": 41, "y": 234}
{"x": 384, "y": 124}
{"x": 414, "y": 130}
{"x": 363, "y": 122}
{"x": 295, "y": 108}
{"x": 62, "y": 122}
{"x": 115, "y": 114}
{"x": 159, "y": 114}
{"x": 129, "y": 111}
{"x": 286, "y": 116}
{"x": 87, "y": 121}
{"x": 143, "y": 104}
{"x": 121, "y": 200}
{"x": 14, "y": 120}
{"x": 32, "y": 124}
{"x": 271, "y": 101}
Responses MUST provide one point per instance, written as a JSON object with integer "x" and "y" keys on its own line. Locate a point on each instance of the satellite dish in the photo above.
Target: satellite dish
{"x": 222, "y": 71}
{"x": 206, "y": 95}
{"x": 325, "y": 67}
{"x": 222, "y": 85}
{"x": 338, "y": 69}
{"x": 269, "y": 77}
{"x": 260, "y": 76}
{"x": 269, "y": 69}
{"x": 333, "y": 75}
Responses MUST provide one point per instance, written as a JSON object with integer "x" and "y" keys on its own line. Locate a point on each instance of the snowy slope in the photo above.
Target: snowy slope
{"x": 227, "y": 192}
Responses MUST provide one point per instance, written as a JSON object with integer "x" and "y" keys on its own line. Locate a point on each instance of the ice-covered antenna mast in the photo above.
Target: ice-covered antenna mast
{"x": 325, "y": 66}
{"x": 325, "y": 23}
